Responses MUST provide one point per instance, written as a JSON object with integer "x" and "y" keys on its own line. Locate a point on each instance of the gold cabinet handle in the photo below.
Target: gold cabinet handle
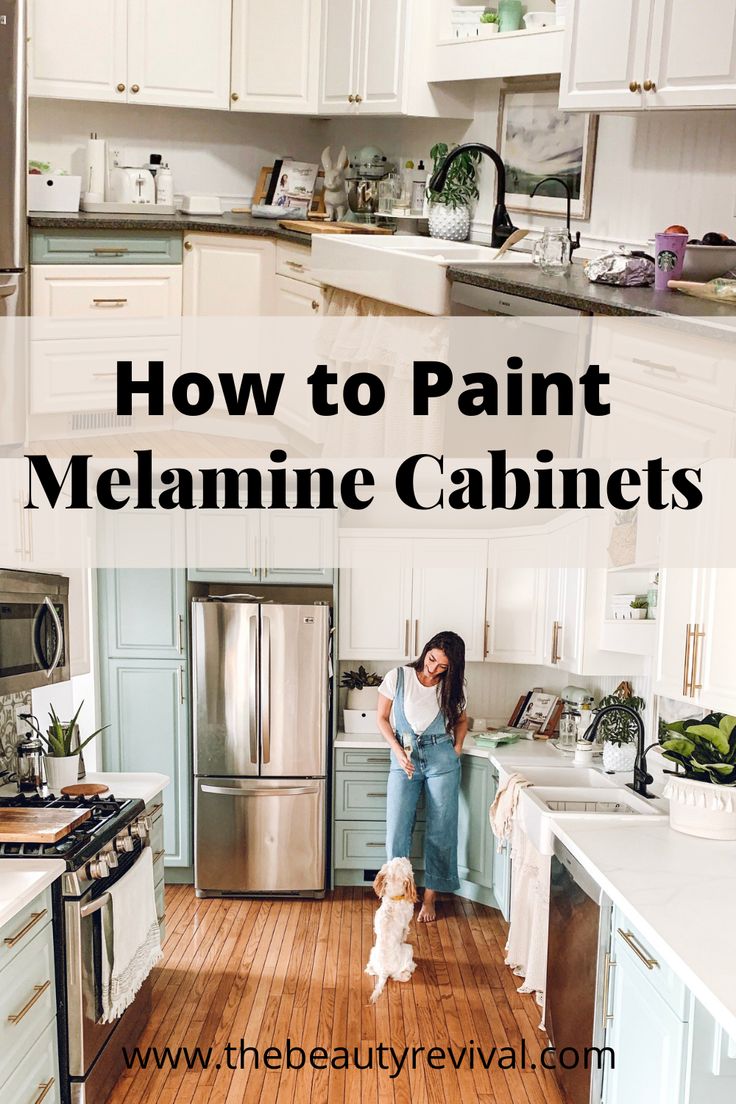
{"x": 45, "y": 1090}
{"x": 369, "y": 844}
{"x": 11, "y": 940}
{"x": 686, "y": 665}
{"x": 698, "y": 635}
{"x": 38, "y": 992}
{"x": 180, "y": 623}
{"x": 650, "y": 86}
{"x": 109, "y": 302}
{"x": 416, "y": 637}
{"x": 608, "y": 963}
{"x": 156, "y": 809}
{"x": 135, "y": 88}
{"x": 188, "y": 246}
{"x": 234, "y": 97}
{"x": 376, "y": 794}
{"x": 121, "y": 87}
{"x": 634, "y": 87}
{"x": 375, "y": 759}
{"x": 630, "y": 938}
{"x": 486, "y": 627}
{"x": 157, "y": 856}
{"x": 181, "y": 685}
{"x": 297, "y": 266}
{"x": 406, "y": 637}
{"x": 110, "y": 250}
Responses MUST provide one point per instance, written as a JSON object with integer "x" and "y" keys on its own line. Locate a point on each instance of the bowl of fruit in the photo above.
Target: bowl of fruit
{"x": 708, "y": 257}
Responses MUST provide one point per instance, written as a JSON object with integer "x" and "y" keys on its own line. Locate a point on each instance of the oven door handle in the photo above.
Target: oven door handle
{"x": 59, "y": 636}
{"x": 95, "y": 906}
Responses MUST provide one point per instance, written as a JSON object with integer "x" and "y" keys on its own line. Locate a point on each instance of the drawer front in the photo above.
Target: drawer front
{"x": 36, "y": 1081}
{"x": 112, "y": 296}
{"x": 628, "y": 943}
{"x": 362, "y": 796}
{"x": 27, "y": 1001}
{"x": 160, "y": 891}
{"x": 100, "y": 247}
{"x": 295, "y": 261}
{"x": 25, "y": 926}
{"x": 74, "y": 376}
{"x": 352, "y": 759}
{"x": 363, "y": 846}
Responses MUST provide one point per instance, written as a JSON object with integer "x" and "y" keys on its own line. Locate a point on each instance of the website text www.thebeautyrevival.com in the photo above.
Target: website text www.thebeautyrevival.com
{"x": 383, "y": 1057}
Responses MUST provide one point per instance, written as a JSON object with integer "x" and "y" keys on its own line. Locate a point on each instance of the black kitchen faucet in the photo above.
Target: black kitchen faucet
{"x": 503, "y": 227}
{"x": 641, "y": 776}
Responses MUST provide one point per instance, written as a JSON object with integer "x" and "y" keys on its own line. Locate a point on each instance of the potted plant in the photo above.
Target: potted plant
{"x": 702, "y": 794}
{"x": 639, "y": 608}
{"x": 449, "y": 210}
{"x": 61, "y": 763}
{"x": 619, "y": 731}
{"x": 488, "y": 23}
{"x": 362, "y": 687}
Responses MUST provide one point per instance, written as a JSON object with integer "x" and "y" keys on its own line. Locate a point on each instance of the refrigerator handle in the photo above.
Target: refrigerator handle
{"x": 266, "y": 688}
{"x": 281, "y": 791}
{"x": 253, "y": 689}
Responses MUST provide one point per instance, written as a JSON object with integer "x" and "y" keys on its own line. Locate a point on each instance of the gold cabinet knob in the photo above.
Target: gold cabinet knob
{"x": 135, "y": 88}
{"x": 358, "y": 99}
{"x": 315, "y": 305}
{"x": 121, "y": 88}
{"x": 351, "y": 98}
{"x": 188, "y": 246}
{"x": 650, "y": 86}
{"x": 234, "y": 97}
{"x": 634, "y": 87}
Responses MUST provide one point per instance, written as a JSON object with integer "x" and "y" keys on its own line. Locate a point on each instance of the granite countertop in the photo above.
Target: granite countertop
{"x": 228, "y": 223}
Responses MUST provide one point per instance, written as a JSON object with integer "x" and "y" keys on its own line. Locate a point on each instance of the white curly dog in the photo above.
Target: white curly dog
{"x": 391, "y": 956}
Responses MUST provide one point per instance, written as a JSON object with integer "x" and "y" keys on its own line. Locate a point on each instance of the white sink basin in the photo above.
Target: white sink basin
{"x": 567, "y": 776}
{"x": 408, "y": 271}
{"x": 539, "y": 805}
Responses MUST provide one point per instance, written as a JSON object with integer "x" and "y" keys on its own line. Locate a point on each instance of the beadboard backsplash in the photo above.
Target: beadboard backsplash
{"x": 8, "y": 733}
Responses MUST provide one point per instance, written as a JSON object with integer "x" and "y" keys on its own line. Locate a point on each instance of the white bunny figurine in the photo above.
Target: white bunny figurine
{"x": 336, "y": 192}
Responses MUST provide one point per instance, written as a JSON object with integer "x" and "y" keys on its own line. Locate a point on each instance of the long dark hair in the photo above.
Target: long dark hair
{"x": 451, "y": 689}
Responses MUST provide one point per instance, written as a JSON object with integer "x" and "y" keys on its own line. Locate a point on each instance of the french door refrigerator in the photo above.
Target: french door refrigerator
{"x": 261, "y": 710}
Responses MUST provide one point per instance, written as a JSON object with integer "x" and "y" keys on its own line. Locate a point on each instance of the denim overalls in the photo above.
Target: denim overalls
{"x": 437, "y": 772}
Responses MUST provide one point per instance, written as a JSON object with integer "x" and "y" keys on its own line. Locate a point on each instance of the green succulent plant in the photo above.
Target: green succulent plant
{"x": 57, "y": 740}
{"x": 704, "y": 747}
{"x": 358, "y": 680}
{"x": 461, "y": 187}
{"x": 640, "y": 602}
{"x": 489, "y": 17}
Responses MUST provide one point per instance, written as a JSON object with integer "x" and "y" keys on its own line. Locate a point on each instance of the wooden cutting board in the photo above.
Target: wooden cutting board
{"x": 39, "y": 825}
{"x": 304, "y": 226}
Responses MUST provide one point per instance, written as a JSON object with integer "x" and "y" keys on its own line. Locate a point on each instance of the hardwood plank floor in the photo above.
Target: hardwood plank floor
{"x": 265, "y": 972}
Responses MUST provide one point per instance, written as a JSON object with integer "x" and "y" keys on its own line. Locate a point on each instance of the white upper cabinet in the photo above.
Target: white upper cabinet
{"x": 341, "y": 61}
{"x": 516, "y": 601}
{"x": 633, "y": 55}
{"x": 275, "y": 55}
{"x": 179, "y": 52}
{"x": 78, "y": 49}
{"x": 448, "y": 592}
{"x": 167, "y": 52}
{"x": 382, "y": 52}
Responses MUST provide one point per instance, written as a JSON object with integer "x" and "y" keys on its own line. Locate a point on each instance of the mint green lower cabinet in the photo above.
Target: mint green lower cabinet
{"x": 474, "y": 839}
{"x": 501, "y": 872}
{"x": 145, "y": 701}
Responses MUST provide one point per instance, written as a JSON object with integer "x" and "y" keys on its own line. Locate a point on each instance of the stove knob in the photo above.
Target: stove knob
{"x": 141, "y": 828}
{"x": 123, "y": 844}
{"x": 97, "y": 870}
{"x": 111, "y": 858}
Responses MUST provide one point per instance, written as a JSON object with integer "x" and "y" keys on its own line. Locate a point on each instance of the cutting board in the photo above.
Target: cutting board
{"x": 39, "y": 825}
{"x": 304, "y": 226}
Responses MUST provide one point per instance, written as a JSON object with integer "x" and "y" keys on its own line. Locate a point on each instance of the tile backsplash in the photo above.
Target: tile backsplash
{"x": 8, "y": 734}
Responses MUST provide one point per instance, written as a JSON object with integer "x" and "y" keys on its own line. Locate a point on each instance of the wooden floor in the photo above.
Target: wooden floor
{"x": 265, "y": 971}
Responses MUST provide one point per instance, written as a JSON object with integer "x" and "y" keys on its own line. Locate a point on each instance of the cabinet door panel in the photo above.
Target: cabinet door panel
{"x": 298, "y": 547}
{"x": 605, "y": 51}
{"x": 145, "y": 612}
{"x": 78, "y": 49}
{"x": 340, "y": 52}
{"x": 375, "y": 598}
{"x": 715, "y": 660}
{"x": 275, "y": 53}
{"x": 146, "y": 707}
{"x": 474, "y": 833}
{"x": 223, "y": 547}
{"x": 676, "y": 612}
{"x": 227, "y": 277}
{"x": 297, "y": 299}
{"x": 692, "y": 59}
{"x": 383, "y": 37}
{"x": 179, "y": 52}
{"x": 515, "y": 608}
{"x": 448, "y": 592}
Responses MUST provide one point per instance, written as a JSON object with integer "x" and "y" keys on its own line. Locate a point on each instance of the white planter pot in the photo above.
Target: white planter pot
{"x": 363, "y": 700}
{"x": 452, "y": 224}
{"x": 638, "y": 615}
{"x": 485, "y": 30}
{"x": 618, "y": 757}
{"x": 702, "y": 809}
{"x": 61, "y": 771}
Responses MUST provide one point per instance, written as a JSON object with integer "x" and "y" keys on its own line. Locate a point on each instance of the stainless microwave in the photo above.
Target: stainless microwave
{"x": 34, "y": 630}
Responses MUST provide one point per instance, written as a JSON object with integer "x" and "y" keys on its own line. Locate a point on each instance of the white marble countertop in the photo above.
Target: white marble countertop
{"x": 23, "y": 879}
{"x": 124, "y": 785}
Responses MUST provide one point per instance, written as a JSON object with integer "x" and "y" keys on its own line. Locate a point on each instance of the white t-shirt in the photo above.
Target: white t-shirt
{"x": 421, "y": 703}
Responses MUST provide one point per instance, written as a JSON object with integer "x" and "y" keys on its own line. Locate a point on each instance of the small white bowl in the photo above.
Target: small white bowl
{"x": 535, "y": 20}
{"x": 706, "y": 262}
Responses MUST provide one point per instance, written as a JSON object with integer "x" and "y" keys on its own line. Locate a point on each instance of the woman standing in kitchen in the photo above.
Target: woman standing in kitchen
{"x": 421, "y": 712}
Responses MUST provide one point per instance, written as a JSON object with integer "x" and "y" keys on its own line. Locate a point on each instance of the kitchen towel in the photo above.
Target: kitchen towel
{"x": 131, "y": 940}
{"x": 501, "y": 812}
{"x": 526, "y": 947}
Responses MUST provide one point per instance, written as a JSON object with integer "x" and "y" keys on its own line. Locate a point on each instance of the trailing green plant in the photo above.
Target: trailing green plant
{"x": 640, "y": 602}
{"x": 489, "y": 17}
{"x": 58, "y": 739}
{"x": 704, "y": 747}
{"x": 619, "y": 728}
{"x": 358, "y": 680}
{"x": 461, "y": 187}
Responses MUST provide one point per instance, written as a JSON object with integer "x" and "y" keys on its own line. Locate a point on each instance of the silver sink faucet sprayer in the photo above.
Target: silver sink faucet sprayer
{"x": 574, "y": 242}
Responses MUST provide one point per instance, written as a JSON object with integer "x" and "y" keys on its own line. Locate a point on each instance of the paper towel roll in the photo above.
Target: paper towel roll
{"x": 96, "y": 171}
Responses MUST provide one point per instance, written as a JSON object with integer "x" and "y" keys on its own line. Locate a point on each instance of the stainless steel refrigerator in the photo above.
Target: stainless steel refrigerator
{"x": 261, "y": 702}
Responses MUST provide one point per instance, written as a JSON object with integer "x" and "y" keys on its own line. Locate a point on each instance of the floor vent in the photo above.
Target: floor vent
{"x": 100, "y": 420}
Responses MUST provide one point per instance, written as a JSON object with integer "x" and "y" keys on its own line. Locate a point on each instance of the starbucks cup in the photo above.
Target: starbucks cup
{"x": 669, "y": 256}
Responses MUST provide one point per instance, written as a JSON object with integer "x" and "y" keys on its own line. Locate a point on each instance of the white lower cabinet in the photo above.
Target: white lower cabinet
{"x": 228, "y": 275}
{"x": 297, "y": 299}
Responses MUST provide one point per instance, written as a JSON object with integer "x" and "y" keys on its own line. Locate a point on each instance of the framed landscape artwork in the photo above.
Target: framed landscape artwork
{"x": 536, "y": 139}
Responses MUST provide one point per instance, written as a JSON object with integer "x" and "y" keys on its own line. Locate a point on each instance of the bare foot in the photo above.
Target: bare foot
{"x": 427, "y": 912}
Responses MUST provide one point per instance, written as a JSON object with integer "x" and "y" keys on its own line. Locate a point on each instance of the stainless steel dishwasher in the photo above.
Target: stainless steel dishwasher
{"x": 579, "y": 928}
